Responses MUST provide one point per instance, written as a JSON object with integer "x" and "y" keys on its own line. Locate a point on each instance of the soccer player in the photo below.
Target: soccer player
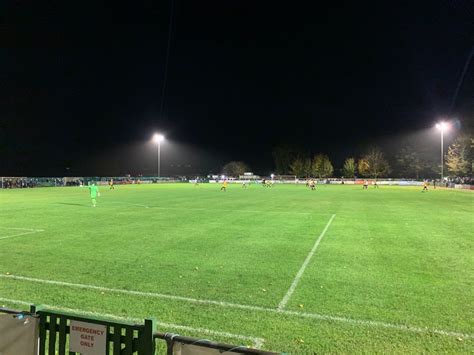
{"x": 224, "y": 185}
{"x": 312, "y": 184}
{"x": 94, "y": 192}
{"x": 244, "y": 184}
{"x": 111, "y": 184}
{"x": 425, "y": 186}
{"x": 376, "y": 186}
{"x": 366, "y": 184}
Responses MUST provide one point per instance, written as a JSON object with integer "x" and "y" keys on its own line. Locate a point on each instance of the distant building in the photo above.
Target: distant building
{"x": 249, "y": 176}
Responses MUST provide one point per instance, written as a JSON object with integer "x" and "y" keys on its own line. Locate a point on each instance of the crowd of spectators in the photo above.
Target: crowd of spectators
{"x": 24, "y": 182}
{"x": 466, "y": 180}
{"x": 18, "y": 183}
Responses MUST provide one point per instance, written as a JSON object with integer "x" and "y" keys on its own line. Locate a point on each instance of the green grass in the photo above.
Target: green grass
{"x": 392, "y": 261}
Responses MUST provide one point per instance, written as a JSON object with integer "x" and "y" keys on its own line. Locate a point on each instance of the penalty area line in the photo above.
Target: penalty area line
{"x": 298, "y": 276}
{"x": 223, "y": 304}
{"x": 257, "y": 342}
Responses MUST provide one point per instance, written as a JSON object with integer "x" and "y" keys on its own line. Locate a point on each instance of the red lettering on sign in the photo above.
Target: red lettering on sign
{"x": 87, "y": 344}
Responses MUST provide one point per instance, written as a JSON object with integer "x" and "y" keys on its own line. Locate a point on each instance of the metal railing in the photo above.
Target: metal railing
{"x": 121, "y": 338}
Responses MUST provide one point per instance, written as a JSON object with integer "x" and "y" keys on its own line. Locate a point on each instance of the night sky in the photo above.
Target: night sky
{"x": 81, "y": 88}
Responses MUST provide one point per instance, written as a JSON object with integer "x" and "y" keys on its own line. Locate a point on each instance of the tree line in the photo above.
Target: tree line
{"x": 373, "y": 164}
{"x": 408, "y": 161}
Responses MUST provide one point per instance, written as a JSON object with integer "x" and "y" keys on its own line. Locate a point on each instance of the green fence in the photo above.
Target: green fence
{"x": 121, "y": 338}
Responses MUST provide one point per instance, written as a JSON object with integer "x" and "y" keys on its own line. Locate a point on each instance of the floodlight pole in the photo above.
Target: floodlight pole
{"x": 442, "y": 155}
{"x": 442, "y": 126}
{"x": 159, "y": 158}
{"x": 158, "y": 138}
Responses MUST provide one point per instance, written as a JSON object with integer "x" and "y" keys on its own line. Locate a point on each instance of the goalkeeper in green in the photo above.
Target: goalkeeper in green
{"x": 94, "y": 191}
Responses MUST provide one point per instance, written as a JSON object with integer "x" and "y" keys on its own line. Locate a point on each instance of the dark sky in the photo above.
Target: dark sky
{"x": 81, "y": 87}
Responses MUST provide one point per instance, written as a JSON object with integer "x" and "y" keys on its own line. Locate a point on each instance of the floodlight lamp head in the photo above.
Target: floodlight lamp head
{"x": 158, "y": 138}
{"x": 442, "y": 126}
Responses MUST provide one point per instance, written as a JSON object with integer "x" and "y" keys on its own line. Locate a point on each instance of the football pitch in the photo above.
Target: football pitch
{"x": 339, "y": 269}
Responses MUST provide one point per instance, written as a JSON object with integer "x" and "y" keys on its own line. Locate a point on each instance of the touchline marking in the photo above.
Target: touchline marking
{"x": 377, "y": 324}
{"x": 257, "y": 342}
{"x": 27, "y": 231}
{"x": 292, "y": 288}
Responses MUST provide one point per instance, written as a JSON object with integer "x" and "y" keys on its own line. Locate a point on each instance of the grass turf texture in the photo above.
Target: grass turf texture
{"x": 398, "y": 257}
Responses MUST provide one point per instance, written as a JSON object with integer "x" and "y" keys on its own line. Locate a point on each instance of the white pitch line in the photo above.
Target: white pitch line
{"x": 325, "y": 317}
{"x": 23, "y": 303}
{"x": 292, "y": 288}
{"x": 257, "y": 342}
{"x": 22, "y": 229}
{"x": 34, "y": 231}
{"x": 378, "y": 324}
{"x": 127, "y": 292}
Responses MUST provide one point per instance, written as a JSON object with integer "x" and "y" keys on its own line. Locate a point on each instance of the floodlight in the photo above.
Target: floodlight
{"x": 158, "y": 138}
{"x": 443, "y": 126}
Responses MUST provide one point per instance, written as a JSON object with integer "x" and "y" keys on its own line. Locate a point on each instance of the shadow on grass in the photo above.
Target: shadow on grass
{"x": 73, "y": 204}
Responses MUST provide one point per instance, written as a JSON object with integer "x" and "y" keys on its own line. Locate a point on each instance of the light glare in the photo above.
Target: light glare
{"x": 443, "y": 126}
{"x": 158, "y": 138}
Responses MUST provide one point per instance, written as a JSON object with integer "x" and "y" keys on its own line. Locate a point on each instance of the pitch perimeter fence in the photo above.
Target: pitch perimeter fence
{"x": 29, "y": 182}
{"x": 46, "y": 332}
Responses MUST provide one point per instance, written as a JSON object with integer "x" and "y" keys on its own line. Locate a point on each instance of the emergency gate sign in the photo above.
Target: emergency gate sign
{"x": 87, "y": 338}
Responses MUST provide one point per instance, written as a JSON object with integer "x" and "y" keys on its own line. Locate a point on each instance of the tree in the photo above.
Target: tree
{"x": 321, "y": 166}
{"x": 374, "y": 164}
{"x": 283, "y": 156}
{"x": 349, "y": 168}
{"x": 297, "y": 167}
{"x": 235, "y": 168}
{"x": 459, "y": 156}
{"x": 363, "y": 167}
{"x": 317, "y": 165}
{"x": 328, "y": 169}
{"x": 409, "y": 162}
{"x": 307, "y": 167}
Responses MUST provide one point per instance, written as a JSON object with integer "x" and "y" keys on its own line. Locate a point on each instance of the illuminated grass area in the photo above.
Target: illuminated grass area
{"x": 392, "y": 272}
